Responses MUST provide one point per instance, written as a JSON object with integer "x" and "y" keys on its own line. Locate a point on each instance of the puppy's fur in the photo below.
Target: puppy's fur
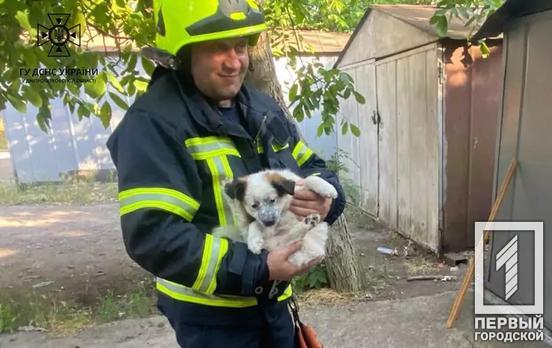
{"x": 261, "y": 201}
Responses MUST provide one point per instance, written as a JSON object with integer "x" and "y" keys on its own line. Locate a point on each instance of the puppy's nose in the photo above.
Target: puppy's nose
{"x": 269, "y": 223}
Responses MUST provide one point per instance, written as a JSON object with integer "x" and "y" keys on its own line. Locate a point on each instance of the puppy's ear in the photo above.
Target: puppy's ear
{"x": 281, "y": 184}
{"x": 236, "y": 189}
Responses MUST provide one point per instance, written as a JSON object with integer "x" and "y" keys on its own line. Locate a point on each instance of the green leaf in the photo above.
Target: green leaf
{"x": 132, "y": 62}
{"x": 442, "y": 26}
{"x": 83, "y": 111}
{"x": 293, "y": 92}
{"x": 355, "y": 130}
{"x": 359, "y": 98}
{"x": 32, "y": 96}
{"x": 115, "y": 83}
{"x": 148, "y": 66}
{"x": 118, "y": 101}
{"x": 344, "y": 128}
{"x": 485, "y": 51}
{"x": 105, "y": 114}
{"x": 95, "y": 89}
{"x": 17, "y": 104}
{"x": 22, "y": 18}
{"x": 43, "y": 118}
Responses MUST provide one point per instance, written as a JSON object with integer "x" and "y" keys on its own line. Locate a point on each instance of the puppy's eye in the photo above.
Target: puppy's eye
{"x": 255, "y": 205}
{"x": 272, "y": 201}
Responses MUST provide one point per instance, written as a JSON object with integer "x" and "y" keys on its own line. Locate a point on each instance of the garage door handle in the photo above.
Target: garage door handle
{"x": 375, "y": 117}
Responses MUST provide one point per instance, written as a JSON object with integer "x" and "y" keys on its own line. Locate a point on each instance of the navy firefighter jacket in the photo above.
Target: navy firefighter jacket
{"x": 172, "y": 151}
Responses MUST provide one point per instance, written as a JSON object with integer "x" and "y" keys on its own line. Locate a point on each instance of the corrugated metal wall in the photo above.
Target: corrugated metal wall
{"x": 525, "y": 134}
{"x": 471, "y": 99}
{"x": 70, "y": 145}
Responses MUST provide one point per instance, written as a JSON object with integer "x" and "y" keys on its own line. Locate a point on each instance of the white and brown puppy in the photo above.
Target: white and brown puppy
{"x": 261, "y": 201}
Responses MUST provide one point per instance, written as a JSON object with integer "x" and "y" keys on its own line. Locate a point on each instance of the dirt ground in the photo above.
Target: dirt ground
{"x": 77, "y": 252}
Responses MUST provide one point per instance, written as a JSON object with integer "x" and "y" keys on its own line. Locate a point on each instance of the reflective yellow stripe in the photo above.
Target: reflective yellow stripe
{"x": 222, "y": 251}
{"x": 301, "y": 153}
{"x": 158, "y": 198}
{"x": 287, "y": 294}
{"x": 183, "y": 293}
{"x": 209, "y": 147}
{"x": 305, "y": 157}
{"x": 260, "y": 149}
{"x": 278, "y": 148}
{"x": 217, "y": 191}
{"x": 213, "y": 251}
{"x": 215, "y": 150}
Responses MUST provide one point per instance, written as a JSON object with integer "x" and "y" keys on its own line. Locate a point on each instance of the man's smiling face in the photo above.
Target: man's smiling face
{"x": 219, "y": 68}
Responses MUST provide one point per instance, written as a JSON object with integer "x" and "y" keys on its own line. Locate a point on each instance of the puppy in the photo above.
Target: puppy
{"x": 260, "y": 202}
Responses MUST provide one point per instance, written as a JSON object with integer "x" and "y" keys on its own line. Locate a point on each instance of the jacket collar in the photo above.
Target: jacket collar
{"x": 258, "y": 116}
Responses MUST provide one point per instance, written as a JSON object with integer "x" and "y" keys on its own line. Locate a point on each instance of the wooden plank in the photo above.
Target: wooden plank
{"x": 418, "y": 134}
{"x": 403, "y": 147}
{"x": 432, "y": 152}
{"x": 386, "y": 95}
{"x": 468, "y": 276}
{"x": 368, "y": 161}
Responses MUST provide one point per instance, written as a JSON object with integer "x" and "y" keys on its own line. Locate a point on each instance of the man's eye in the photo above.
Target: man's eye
{"x": 255, "y": 205}
{"x": 241, "y": 47}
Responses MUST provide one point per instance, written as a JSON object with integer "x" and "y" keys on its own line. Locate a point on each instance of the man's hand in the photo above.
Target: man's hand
{"x": 279, "y": 268}
{"x": 306, "y": 202}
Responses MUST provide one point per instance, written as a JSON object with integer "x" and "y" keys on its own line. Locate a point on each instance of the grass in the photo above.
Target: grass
{"x": 77, "y": 193}
{"x": 63, "y": 317}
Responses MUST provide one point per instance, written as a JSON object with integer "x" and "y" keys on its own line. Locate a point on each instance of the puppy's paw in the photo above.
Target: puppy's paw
{"x": 312, "y": 220}
{"x": 321, "y": 186}
{"x": 255, "y": 244}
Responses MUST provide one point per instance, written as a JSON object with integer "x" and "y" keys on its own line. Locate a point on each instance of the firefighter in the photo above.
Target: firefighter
{"x": 197, "y": 126}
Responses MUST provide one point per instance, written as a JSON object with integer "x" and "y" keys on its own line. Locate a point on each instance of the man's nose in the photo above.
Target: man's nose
{"x": 232, "y": 61}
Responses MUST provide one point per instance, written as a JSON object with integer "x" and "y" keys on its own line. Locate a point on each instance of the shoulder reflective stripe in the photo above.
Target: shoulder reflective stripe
{"x": 301, "y": 153}
{"x": 278, "y": 148}
{"x": 287, "y": 294}
{"x": 260, "y": 149}
{"x": 209, "y": 147}
{"x": 183, "y": 293}
{"x": 158, "y": 198}
{"x": 213, "y": 251}
{"x": 305, "y": 157}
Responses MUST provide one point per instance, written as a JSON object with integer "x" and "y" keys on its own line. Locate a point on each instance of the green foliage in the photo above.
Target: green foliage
{"x": 329, "y": 15}
{"x": 315, "y": 278}
{"x": 53, "y": 313}
{"x": 125, "y": 25}
{"x": 121, "y": 23}
{"x": 337, "y": 165}
{"x": 471, "y": 12}
{"x": 317, "y": 87}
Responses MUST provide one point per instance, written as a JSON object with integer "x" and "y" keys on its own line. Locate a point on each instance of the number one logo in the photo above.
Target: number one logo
{"x": 507, "y": 257}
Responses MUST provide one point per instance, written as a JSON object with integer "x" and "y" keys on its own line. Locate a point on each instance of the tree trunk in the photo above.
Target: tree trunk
{"x": 341, "y": 262}
{"x": 344, "y": 271}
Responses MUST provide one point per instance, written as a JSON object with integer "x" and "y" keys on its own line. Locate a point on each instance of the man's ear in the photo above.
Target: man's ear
{"x": 236, "y": 189}
{"x": 281, "y": 184}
